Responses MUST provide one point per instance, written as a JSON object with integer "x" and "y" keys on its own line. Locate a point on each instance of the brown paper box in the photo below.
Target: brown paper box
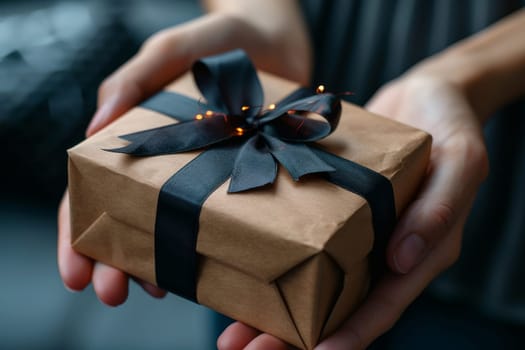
{"x": 295, "y": 265}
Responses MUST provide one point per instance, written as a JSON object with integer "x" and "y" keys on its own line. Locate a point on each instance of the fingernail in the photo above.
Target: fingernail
{"x": 153, "y": 290}
{"x": 102, "y": 115}
{"x": 69, "y": 289}
{"x": 409, "y": 253}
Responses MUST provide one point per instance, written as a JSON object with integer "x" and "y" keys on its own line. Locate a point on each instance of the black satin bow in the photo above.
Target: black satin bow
{"x": 234, "y": 113}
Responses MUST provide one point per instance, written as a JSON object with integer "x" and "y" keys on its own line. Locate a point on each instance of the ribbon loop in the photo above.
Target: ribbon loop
{"x": 229, "y": 82}
{"x": 293, "y": 122}
{"x": 254, "y": 166}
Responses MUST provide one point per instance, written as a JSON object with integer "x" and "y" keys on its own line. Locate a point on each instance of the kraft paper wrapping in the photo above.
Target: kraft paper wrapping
{"x": 295, "y": 265}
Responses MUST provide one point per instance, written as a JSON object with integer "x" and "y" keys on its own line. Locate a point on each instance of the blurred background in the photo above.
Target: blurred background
{"x": 53, "y": 56}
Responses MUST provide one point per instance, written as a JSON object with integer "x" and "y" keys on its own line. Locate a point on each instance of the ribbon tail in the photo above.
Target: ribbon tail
{"x": 176, "y": 106}
{"x": 254, "y": 166}
{"x": 297, "y": 158}
{"x": 183, "y": 137}
{"x": 177, "y": 222}
{"x": 378, "y": 192}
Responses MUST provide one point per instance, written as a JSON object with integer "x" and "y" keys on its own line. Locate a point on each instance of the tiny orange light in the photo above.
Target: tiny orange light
{"x": 320, "y": 89}
{"x": 239, "y": 131}
{"x": 245, "y": 108}
{"x": 199, "y": 116}
{"x": 272, "y": 106}
{"x": 209, "y": 113}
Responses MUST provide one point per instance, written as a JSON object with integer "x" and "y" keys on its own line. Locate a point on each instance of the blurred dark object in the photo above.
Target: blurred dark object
{"x": 52, "y": 61}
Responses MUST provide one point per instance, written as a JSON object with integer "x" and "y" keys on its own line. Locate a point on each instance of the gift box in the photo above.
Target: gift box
{"x": 293, "y": 258}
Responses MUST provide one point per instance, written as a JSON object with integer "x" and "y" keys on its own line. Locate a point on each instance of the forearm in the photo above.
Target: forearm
{"x": 489, "y": 66}
{"x": 271, "y": 31}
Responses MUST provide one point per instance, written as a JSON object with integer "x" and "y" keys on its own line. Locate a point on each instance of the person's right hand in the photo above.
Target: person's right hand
{"x": 164, "y": 57}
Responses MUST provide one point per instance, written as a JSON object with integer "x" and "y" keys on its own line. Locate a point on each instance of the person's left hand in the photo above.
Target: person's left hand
{"x": 427, "y": 239}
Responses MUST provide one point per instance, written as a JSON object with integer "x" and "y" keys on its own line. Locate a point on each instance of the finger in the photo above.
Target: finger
{"x": 161, "y": 59}
{"x": 236, "y": 336}
{"x": 114, "y": 106}
{"x": 373, "y": 318}
{"x": 152, "y": 290}
{"x": 75, "y": 269}
{"x": 164, "y": 57}
{"x": 388, "y": 300}
{"x": 383, "y": 103}
{"x": 456, "y": 172}
{"x": 110, "y": 284}
{"x": 153, "y": 67}
{"x": 265, "y": 342}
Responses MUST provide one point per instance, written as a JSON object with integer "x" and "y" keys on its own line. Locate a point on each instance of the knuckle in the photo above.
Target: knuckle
{"x": 119, "y": 85}
{"x": 104, "y": 89}
{"x": 442, "y": 217}
{"x": 161, "y": 42}
{"x": 110, "y": 86}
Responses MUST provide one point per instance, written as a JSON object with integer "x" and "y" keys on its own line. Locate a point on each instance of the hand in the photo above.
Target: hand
{"x": 427, "y": 238}
{"x": 163, "y": 58}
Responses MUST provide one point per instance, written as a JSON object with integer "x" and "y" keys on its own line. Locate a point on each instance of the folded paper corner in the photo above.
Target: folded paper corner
{"x": 118, "y": 244}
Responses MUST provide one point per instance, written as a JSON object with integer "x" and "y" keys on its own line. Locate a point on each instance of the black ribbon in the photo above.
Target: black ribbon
{"x": 242, "y": 141}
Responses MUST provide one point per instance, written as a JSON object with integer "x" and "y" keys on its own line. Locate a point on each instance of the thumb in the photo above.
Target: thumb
{"x": 424, "y": 223}
{"x": 159, "y": 61}
{"x": 444, "y": 202}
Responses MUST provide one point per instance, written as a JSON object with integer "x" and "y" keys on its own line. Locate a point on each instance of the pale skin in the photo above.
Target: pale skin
{"x": 450, "y": 95}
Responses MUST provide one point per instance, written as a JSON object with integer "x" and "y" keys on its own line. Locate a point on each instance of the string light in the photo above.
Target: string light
{"x": 199, "y": 116}
{"x": 239, "y": 131}
{"x": 320, "y": 89}
{"x": 271, "y": 106}
{"x": 245, "y": 108}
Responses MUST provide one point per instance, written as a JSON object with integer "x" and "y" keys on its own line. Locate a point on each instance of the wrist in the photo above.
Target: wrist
{"x": 480, "y": 83}
{"x": 489, "y": 67}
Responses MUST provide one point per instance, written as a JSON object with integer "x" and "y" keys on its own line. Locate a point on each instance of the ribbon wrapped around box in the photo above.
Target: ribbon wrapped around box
{"x": 250, "y": 210}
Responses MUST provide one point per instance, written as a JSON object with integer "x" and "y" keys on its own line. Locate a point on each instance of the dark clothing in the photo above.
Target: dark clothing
{"x": 430, "y": 324}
